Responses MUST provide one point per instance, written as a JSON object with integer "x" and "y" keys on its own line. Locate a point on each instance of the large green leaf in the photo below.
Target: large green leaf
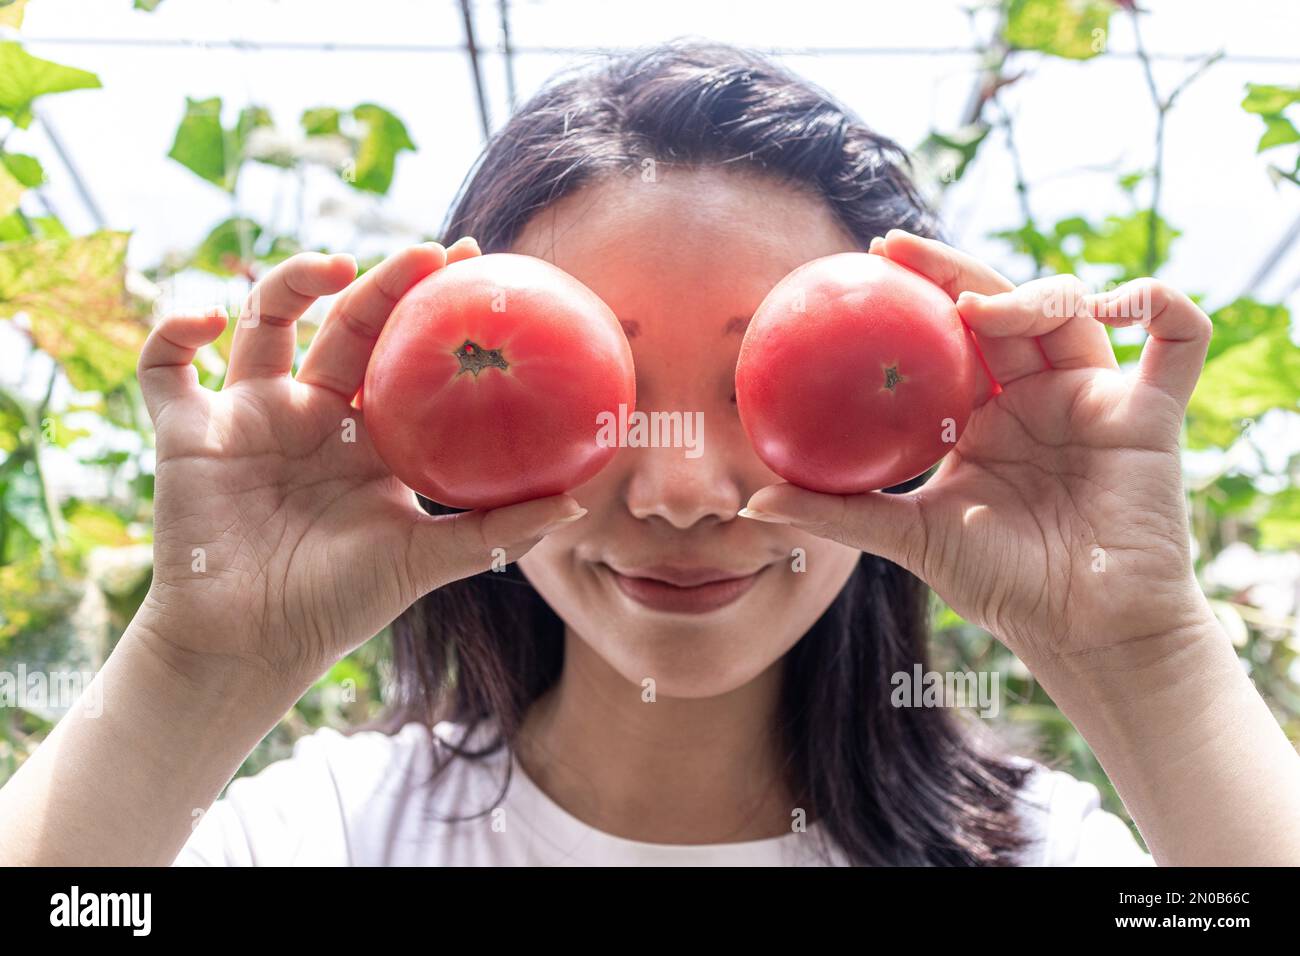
{"x": 385, "y": 136}
{"x": 1123, "y": 241}
{"x": 207, "y": 148}
{"x": 72, "y": 292}
{"x": 1242, "y": 383}
{"x": 24, "y": 77}
{"x": 200, "y": 142}
{"x": 1244, "y": 319}
{"x": 1074, "y": 29}
{"x": 1043, "y": 248}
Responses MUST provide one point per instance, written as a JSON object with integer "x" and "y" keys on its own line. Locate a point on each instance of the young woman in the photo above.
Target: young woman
{"x": 653, "y": 682}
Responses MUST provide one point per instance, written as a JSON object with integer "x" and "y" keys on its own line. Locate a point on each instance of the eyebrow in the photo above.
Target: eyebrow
{"x": 736, "y": 325}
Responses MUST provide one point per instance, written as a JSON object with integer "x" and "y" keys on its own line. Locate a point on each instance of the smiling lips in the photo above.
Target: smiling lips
{"x": 683, "y": 590}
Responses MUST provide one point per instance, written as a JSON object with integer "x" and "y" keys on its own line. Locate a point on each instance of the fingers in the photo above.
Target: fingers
{"x": 886, "y": 525}
{"x": 1054, "y": 310}
{"x": 264, "y": 337}
{"x": 165, "y": 369}
{"x": 339, "y": 353}
{"x": 956, "y": 272}
{"x": 465, "y": 247}
{"x": 1179, "y": 331}
{"x": 447, "y": 548}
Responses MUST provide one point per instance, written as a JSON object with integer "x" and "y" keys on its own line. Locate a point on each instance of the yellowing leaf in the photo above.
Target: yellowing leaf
{"x": 73, "y": 294}
{"x": 94, "y": 525}
{"x": 11, "y": 14}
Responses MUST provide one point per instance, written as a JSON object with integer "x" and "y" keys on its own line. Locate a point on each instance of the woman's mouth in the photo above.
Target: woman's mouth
{"x": 683, "y": 590}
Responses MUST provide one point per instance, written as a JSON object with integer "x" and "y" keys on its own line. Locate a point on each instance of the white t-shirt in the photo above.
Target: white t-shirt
{"x": 361, "y": 800}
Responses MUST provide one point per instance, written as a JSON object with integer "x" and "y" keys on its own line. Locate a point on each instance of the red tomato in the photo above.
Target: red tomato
{"x": 484, "y": 387}
{"x": 855, "y": 374}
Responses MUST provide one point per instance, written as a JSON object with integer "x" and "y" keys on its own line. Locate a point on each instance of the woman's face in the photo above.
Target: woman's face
{"x": 661, "y": 579}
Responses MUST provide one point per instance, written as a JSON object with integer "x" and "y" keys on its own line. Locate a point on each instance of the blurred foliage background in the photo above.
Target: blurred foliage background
{"x": 74, "y": 564}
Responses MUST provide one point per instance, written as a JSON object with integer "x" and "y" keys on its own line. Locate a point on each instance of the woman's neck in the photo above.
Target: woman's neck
{"x": 675, "y": 770}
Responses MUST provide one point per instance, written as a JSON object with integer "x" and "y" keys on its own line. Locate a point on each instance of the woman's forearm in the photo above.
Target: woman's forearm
{"x": 125, "y": 786}
{"x": 1201, "y": 764}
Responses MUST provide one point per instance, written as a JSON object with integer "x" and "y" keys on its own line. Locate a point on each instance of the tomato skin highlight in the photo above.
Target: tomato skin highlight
{"x": 856, "y": 373}
{"x": 485, "y": 385}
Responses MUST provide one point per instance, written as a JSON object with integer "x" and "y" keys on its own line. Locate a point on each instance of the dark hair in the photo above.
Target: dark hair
{"x": 890, "y": 785}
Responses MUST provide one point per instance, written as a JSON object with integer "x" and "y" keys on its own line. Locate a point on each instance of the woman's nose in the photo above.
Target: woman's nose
{"x": 682, "y": 490}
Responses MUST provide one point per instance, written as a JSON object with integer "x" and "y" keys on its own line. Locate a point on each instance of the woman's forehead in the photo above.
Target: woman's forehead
{"x": 707, "y": 242}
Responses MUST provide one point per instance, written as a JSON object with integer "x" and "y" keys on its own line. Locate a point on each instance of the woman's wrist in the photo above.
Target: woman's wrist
{"x": 125, "y": 785}
{"x": 1191, "y": 747}
{"x": 217, "y": 675}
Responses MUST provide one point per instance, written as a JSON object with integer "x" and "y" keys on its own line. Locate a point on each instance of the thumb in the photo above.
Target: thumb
{"x": 878, "y": 523}
{"x": 446, "y": 548}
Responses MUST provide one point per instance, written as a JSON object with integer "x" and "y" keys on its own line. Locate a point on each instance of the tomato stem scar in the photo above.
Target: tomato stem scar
{"x": 892, "y": 377}
{"x": 474, "y": 358}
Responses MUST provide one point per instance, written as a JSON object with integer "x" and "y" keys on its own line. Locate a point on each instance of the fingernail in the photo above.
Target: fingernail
{"x": 562, "y": 522}
{"x": 762, "y": 516}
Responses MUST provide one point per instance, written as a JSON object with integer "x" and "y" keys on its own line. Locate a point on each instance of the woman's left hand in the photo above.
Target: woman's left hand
{"x": 1058, "y": 521}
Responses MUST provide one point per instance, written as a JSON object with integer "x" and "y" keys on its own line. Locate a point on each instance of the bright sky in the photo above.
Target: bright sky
{"x": 1069, "y": 117}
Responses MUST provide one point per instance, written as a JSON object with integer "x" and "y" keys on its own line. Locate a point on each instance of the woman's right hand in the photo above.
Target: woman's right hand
{"x": 281, "y": 540}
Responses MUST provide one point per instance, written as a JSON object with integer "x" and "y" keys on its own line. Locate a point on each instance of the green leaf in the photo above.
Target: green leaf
{"x": 1242, "y": 320}
{"x": 16, "y": 227}
{"x": 1125, "y": 351}
{"x": 951, "y": 153}
{"x": 1129, "y": 181}
{"x": 1073, "y": 29}
{"x": 1042, "y": 247}
{"x": 200, "y": 143}
{"x": 49, "y": 227}
{"x": 13, "y": 227}
{"x": 24, "y": 78}
{"x": 228, "y": 248}
{"x": 1278, "y": 131}
{"x": 1231, "y": 495}
{"x": 282, "y": 247}
{"x": 11, "y": 191}
{"x": 94, "y": 526}
{"x": 1279, "y": 526}
{"x": 1243, "y": 382}
{"x": 1123, "y": 241}
{"x": 148, "y": 6}
{"x": 320, "y": 121}
{"x": 207, "y": 148}
{"x": 1269, "y": 99}
{"x": 26, "y": 169}
{"x": 74, "y": 296}
{"x": 250, "y": 118}
{"x": 384, "y": 138}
